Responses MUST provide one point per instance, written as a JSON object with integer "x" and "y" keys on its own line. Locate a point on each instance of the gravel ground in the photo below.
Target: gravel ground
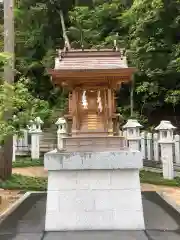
{"x": 7, "y": 198}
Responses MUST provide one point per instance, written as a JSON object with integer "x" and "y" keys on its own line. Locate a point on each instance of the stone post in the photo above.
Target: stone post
{"x": 133, "y": 133}
{"x": 166, "y": 141}
{"x": 177, "y": 149}
{"x": 149, "y": 147}
{"x": 35, "y": 131}
{"x": 143, "y": 144}
{"x": 156, "y": 147}
{"x": 61, "y": 132}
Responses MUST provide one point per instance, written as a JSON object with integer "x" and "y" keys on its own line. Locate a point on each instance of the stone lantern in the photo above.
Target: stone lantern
{"x": 166, "y": 141}
{"x": 39, "y": 123}
{"x": 61, "y": 132}
{"x": 32, "y": 126}
{"x": 133, "y": 135}
{"x": 166, "y": 130}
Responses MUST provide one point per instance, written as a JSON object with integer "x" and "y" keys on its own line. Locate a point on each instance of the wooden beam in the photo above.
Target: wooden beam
{"x": 92, "y": 73}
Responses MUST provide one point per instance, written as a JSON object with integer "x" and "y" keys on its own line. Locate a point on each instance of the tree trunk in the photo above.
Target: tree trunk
{"x": 7, "y": 149}
{"x": 64, "y": 31}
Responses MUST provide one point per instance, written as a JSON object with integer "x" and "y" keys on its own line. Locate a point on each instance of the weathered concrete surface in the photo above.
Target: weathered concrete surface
{"x": 95, "y": 200}
{"x": 27, "y": 223}
{"x": 55, "y": 161}
{"x": 99, "y": 190}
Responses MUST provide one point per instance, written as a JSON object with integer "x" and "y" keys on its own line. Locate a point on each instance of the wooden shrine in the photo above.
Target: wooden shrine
{"x": 92, "y": 78}
{"x": 93, "y": 157}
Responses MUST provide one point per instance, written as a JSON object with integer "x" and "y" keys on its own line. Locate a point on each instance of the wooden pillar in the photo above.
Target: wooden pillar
{"x": 109, "y": 102}
{"x": 70, "y": 103}
{"x": 113, "y": 102}
{"x": 115, "y": 120}
{"x": 110, "y": 122}
{"x": 105, "y": 110}
{"x": 77, "y": 110}
{"x": 74, "y": 112}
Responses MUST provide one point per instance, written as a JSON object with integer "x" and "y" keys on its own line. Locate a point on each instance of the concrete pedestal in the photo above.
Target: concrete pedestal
{"x": 94, "y": 191}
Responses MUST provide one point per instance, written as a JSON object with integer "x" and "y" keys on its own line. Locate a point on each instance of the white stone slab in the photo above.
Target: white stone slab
{"x": 89, "y": 192}
{"x": 94, "y": 160}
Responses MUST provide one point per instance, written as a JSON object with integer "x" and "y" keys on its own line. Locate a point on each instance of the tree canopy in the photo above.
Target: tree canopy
{"x": 154, "y": 42}
{"x": 23, "y": 106}
{"x": 149, "y": 30}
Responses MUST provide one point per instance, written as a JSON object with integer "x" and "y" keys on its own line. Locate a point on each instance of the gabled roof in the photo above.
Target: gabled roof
{"x": 91, "y": 68}
{"x": 90, "y": 60}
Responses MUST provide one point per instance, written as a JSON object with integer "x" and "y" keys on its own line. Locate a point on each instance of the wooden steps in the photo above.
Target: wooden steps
{"x": 92, "y": 122}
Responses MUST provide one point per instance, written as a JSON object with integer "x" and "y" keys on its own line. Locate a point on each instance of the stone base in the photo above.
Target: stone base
{"x": 94, "y": 191}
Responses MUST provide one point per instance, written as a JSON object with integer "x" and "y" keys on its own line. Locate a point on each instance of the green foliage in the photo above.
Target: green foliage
{"x": 149, "y": 30}
{"x": 157, "y": 179}
{"x": 1, "y": 27}
{"x": 17, "y": 100}
{"x": 17, "y": 105}
{"x": 38, "y": 35}
{"x": 4, "y": 58}
{"x": 98, "y": 26}
{"x": 154, "y": 45}
{"x": 24, "y": 183}
{"x": 126, "y": 114}
{"x": 23, "y": 162}
{"x": 173, "y": 97}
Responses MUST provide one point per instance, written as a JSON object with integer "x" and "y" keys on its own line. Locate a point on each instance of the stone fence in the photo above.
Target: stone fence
{"x": 161, "y": 147}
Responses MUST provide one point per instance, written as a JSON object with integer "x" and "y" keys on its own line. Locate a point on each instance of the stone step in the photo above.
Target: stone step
{"x": 48, "y": 140}
{"x": 49, "y": 136}
{"x": 50, "y": 130}
{"x": 48, "y": 145}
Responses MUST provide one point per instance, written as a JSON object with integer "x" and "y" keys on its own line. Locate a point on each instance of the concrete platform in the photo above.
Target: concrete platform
{"x": 99, "y": 190}
{"x": 27, "y": 223}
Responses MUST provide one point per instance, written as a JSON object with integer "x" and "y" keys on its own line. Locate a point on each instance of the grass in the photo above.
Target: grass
{"x": 22, "y": 162}
{"x": 157, "y": 179}
{"x": 19, "y": 182}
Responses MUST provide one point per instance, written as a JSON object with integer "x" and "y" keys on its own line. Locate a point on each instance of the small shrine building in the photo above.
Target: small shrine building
{"x": 93, "y": 161}
{"x": 92, "y": 78}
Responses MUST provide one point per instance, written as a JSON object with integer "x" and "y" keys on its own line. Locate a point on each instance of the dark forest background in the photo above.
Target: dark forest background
{"x": 147, "y": 29}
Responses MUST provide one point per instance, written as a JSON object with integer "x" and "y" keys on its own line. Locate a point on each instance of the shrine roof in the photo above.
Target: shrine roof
{"x": 90, "y": 59}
